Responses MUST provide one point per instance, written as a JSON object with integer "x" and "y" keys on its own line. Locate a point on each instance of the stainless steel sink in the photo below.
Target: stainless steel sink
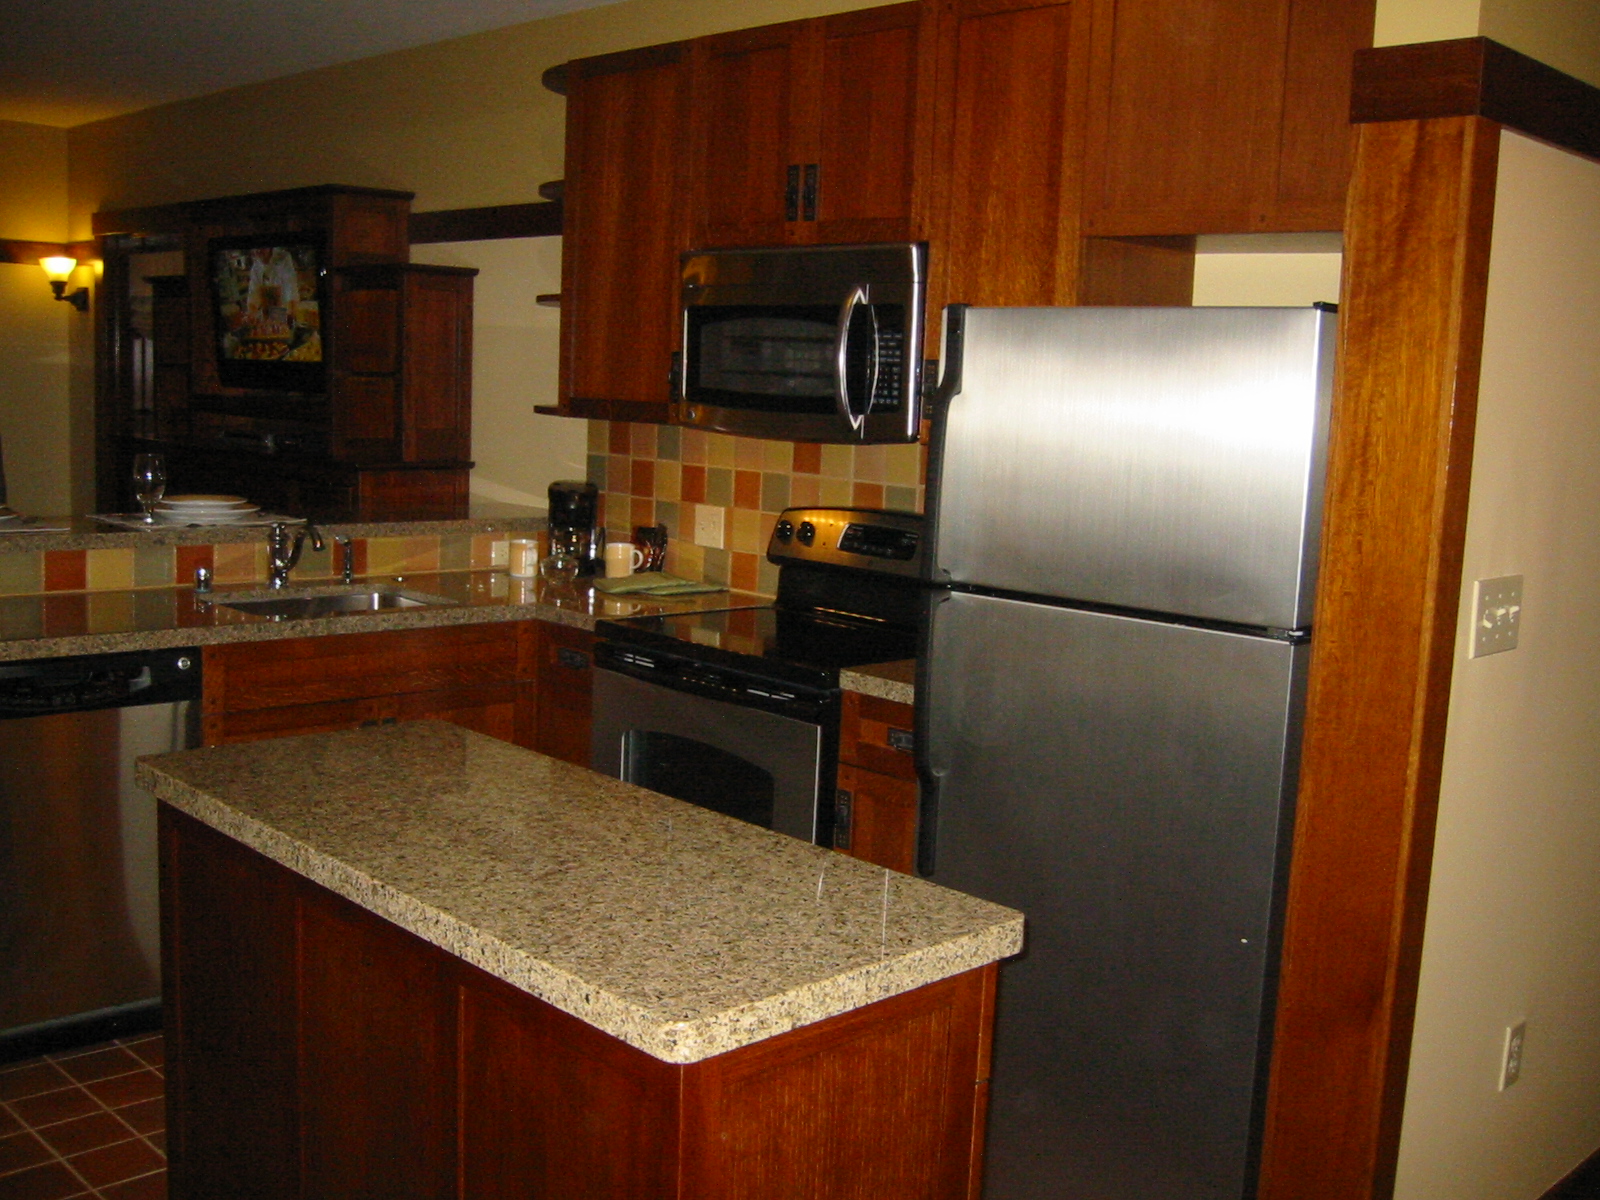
{"x": 331, "y": 604}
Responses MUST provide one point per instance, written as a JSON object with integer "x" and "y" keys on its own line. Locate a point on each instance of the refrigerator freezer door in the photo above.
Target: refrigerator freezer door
{"x": 1125, "y": 783}
{"x": 1164, "y": 459}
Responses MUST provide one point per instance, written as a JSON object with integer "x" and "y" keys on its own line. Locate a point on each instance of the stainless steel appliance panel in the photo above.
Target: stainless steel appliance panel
{"x": 806, "y": 343}
{"x": 1126, "y": 784}
{"x": 79, "y": 930}
{"x": 1164, "y": 459}
{"x": 789, "y": 750}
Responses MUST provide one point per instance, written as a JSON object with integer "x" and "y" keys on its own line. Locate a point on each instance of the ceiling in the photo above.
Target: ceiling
{"x": 64, "y": 62}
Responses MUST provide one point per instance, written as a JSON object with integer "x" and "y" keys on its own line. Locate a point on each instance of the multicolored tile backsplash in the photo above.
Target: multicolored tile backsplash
{"x": 649, "y": 474}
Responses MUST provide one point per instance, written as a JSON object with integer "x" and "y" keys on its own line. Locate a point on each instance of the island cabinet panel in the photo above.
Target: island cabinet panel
{"x": 876, "y": 806}
{"x": 551, "y": 1107}
{"x": 463, "y": 673}
{"x": 321, "y": 1051}
{"x": 1220, "y": 116}
{"x": 229, "y": 951}
{"x": 814, "y": 131}
{"x": 623, "y": 231}
{"x": 376, "y": 1037}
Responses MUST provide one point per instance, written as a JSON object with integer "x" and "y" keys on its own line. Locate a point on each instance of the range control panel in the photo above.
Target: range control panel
{"x": 869, "y": 539}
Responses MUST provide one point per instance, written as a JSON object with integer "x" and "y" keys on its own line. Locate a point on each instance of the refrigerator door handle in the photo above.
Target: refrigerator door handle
{"x": 841, "y": 360}
{"x": 929, "y": 776}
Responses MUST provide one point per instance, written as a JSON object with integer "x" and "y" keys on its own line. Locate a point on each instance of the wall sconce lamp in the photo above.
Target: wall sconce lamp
{"x": 58, "y": 268}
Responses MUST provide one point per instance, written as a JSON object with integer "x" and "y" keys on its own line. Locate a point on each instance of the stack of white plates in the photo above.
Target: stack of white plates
{"x": 204, "y": 510}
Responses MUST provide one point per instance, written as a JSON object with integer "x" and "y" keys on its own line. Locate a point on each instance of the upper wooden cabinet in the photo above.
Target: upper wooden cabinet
{"x": 1012, "y": 81}
{"x": 1220, "y": 116}
{"x": 624, "y": 229}
{"x": 814, "y": 131}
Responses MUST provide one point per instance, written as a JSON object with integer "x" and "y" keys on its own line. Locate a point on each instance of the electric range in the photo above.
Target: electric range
{"x": 737, "y": 710}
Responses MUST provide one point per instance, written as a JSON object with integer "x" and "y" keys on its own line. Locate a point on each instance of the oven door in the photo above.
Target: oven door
{"x": 757, "y": 766}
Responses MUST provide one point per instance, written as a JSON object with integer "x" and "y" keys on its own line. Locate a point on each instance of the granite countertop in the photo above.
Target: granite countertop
{"x": 58, "y": 624}
{"x": 895, "y": 681}
{"x": 680, "y": 931}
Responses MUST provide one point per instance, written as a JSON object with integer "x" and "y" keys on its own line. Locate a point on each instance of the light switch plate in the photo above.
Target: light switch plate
{"x": 1496, "y": 614}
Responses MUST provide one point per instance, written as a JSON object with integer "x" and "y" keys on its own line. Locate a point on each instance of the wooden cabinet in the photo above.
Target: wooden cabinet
{"x": 527, "y": 682}
{"x": 876, "y": 804}
{"x": 467, "y": 674}
{"x": 623, "y": 231}
{"x": 1220, "y": 116}
{"x": 316, "y": 1050}
{"x": 401, "y": 386}
{"x": 1008, "y": 166}
{"x": 814, "y": 131}
{"x": 565, "y": 682}
{"x": 384, "y": 433}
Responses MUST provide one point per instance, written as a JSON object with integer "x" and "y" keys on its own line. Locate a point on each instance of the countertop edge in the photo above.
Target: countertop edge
{"x": 677, "y": 1042}
{"x": 879, "y": 681}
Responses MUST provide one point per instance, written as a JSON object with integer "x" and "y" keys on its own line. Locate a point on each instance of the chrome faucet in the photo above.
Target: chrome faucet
{"x": 282, "y": 554}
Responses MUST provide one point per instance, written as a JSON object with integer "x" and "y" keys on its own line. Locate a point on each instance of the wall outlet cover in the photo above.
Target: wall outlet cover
{"x": 1511, "y": 1057}
{"x": 1496, "y": 614}
{"x": 708, "y": 526}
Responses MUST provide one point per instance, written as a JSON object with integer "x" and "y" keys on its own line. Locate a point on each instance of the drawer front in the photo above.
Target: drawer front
{"x": 876, "y": 734}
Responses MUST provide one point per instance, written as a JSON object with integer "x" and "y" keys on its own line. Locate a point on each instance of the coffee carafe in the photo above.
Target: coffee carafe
{"x": 573, "y": 503}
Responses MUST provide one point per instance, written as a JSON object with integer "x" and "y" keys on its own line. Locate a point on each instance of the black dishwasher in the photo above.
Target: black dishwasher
{"x": 79, "y": 928}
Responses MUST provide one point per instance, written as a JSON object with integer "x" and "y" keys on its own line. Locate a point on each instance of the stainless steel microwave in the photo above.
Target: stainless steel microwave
{"x": 804, "y": 343}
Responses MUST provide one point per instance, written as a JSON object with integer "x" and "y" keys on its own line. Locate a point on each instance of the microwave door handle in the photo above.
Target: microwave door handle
{"x": 841, "y": 371}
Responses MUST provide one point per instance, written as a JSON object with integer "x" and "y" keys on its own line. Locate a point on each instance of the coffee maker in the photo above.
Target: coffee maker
{"x": 573, "y": 504}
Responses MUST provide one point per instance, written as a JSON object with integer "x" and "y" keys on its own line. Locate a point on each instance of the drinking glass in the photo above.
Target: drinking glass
{"x": 149, "y": 483}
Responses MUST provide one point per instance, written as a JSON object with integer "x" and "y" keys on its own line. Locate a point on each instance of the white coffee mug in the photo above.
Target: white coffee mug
{"x": 622, "y": 558}
{"x": 523, "y": 557}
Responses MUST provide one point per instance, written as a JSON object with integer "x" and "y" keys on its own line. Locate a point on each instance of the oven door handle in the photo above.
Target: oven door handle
{"x": 841, "y": 360}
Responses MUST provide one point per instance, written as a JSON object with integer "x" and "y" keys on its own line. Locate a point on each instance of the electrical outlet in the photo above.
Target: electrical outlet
{"x": 1511, "y": 1060}
{"x": 708, "y": 526}
{"x": 1496, "y": 614}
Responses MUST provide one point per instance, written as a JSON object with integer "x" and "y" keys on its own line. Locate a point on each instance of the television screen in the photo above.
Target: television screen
{"x": 268, "y": 297}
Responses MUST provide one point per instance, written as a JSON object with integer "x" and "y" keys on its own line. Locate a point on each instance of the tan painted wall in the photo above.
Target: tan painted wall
{"x": 1513, "y": 930}
{"x": 461, "y": 123}
{"x": 33, "y": 327}
{"x": 1563, "y": 33}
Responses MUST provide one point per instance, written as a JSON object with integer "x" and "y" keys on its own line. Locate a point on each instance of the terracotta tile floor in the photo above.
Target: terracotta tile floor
{"x": 89, "y": 1122}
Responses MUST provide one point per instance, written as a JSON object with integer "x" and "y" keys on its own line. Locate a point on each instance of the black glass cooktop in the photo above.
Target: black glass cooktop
{"x": 800, "y": 646}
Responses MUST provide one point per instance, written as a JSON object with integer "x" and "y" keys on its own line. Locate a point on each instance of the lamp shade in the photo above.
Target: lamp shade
{"x": 58, "y": 267}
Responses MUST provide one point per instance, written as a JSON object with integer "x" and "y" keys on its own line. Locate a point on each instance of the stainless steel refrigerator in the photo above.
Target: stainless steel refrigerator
{"x": 1124, "y": 508}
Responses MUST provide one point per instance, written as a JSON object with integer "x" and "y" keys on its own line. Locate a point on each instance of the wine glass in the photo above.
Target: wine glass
{"x": 149, "y": 483}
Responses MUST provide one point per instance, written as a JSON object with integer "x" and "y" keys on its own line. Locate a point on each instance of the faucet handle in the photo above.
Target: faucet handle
{"x": 347, "y": 556}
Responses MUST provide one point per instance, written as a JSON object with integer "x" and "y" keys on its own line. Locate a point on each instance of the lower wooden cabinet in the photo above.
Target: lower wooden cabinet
{"x": 526, "y": 682}
{"x": 317, "y": 1050}
{"x": 875, "y": 808}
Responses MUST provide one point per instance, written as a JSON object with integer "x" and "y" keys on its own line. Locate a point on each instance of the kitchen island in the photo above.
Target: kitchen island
{"x": 416, "y": 961}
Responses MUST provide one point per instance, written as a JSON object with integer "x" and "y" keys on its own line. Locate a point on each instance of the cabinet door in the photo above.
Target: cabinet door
{"x": 566, "y": 689}
{"x": 1013, "y": 78}
{"x": 873, "y": 107}
{"x": 751, "y": 89}
{"x": 882, "y": 825}
{"x": 1220, "y": 116}
{"x": 623, "y": 232}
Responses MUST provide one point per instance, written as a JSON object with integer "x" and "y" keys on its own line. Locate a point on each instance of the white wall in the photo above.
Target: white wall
{"x": 1513, "y": 927}
{"x": 517, "y": 452}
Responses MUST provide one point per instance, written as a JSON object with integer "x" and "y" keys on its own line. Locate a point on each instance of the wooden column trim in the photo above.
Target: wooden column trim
{"x": 1417, "y": 236}
{"x": 541, "y": 219}
{"x": 1476, "y": 77}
